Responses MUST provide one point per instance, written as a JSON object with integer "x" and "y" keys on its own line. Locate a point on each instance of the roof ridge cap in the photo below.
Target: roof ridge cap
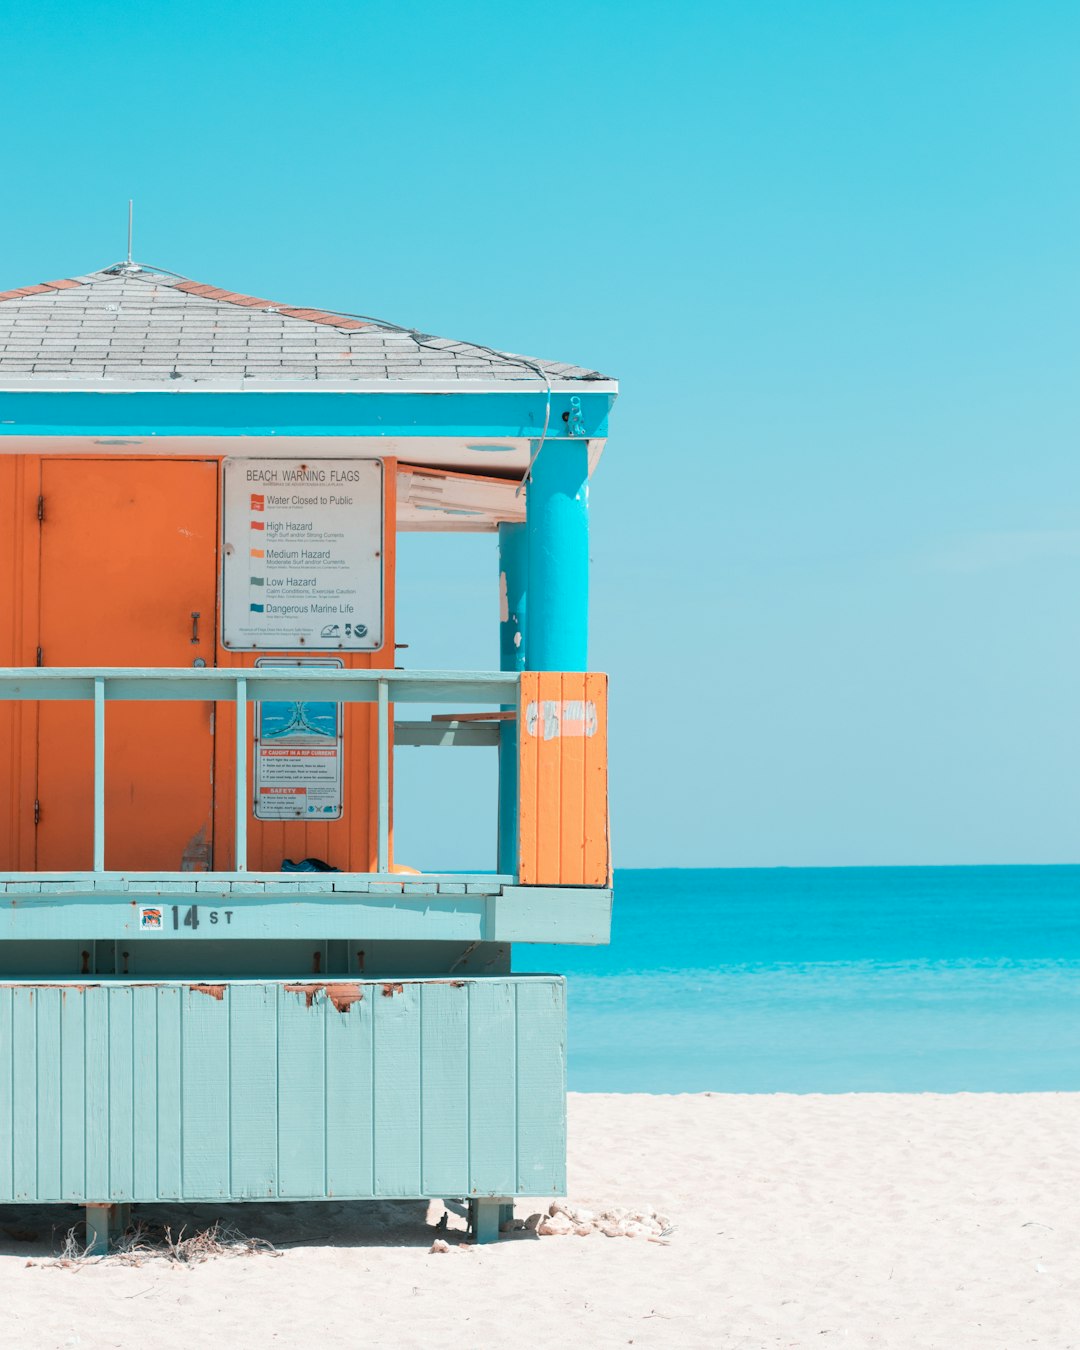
{"x": 301, "y": 313}
{"x": 41, "y": 288}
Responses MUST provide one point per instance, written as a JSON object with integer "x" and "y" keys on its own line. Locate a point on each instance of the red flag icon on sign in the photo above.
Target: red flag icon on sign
{"x": 258, "y": 525}
{"x": 258, "y": 501}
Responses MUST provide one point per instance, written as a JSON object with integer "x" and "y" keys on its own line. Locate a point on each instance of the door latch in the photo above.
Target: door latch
{"x": 194, "y": 625}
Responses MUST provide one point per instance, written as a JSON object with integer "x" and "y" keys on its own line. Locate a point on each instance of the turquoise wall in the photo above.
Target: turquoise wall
{"x": 115, "y": 1092}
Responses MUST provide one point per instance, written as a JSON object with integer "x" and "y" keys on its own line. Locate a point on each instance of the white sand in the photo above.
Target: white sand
{"x": 897, "y": 1221}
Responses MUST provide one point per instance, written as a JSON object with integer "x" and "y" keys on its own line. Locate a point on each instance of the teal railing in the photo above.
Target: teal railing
{"x": 243, "y": 686}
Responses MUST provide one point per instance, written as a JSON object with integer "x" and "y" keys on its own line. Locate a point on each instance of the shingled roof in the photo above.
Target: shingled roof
{"x": 132, "y": 326}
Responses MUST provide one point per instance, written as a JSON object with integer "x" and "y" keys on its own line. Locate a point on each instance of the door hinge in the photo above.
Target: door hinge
{"x": 41, "y": 509}
{"x": 37, "y": 811}
{"x": 40, "y": 659}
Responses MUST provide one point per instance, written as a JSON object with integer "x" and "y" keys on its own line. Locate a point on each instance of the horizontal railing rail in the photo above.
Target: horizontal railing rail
{"x": 243, "y": 686}
{"x": 184, "y": 683}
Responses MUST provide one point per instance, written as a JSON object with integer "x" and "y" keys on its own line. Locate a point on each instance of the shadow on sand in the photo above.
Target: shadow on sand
{"x": 40, "y": 1231}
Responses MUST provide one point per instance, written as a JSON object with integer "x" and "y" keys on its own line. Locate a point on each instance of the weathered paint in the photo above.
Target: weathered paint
{"x": 119, "y": 1092}
{"x": 342, "y": 996}
{"x": 513, "y": 595}
{"x": 563, "y": 822}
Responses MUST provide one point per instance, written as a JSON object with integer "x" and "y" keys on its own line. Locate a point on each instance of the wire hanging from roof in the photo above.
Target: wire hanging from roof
{"x": 425, "y": 340}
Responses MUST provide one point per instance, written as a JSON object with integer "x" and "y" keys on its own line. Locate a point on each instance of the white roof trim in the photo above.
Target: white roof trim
{"x": 506, "y": 457}
{"x": 524, "y": 385}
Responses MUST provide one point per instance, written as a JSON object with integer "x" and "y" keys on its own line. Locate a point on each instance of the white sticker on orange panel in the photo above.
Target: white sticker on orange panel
{"x": 552, "y": 718}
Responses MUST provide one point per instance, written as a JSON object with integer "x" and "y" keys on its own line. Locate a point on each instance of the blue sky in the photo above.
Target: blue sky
{"x": 830, "y": 252}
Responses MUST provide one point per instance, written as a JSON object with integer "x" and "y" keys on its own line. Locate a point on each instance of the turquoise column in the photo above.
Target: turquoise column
{"x": 513, "y": 589}
{"x": 557, "y": 520}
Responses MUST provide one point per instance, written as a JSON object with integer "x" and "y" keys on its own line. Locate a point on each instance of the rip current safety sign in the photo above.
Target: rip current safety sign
{"x": 299, "y": 757}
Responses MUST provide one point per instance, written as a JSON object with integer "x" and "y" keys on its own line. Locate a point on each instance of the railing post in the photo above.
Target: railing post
{"x": 241, "y": 774}
{"x": 99, "y": 773}
{"x": 383, "y": 774}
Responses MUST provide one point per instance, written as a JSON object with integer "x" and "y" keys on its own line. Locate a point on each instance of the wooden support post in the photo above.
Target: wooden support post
{"x": 484, "y": 1215}
{"x": 104, "y": 1224}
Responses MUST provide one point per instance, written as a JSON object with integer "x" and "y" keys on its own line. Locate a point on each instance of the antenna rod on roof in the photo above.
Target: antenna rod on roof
{"x": 130, "y": 215}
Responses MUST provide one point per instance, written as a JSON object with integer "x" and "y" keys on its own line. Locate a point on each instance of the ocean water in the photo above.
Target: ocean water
{"x": 935, "y": 979}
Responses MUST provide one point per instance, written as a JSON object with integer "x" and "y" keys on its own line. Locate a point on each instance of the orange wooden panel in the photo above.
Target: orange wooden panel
{"x": 128, "y": 551}
{"x": 548, "y": 781}
{"x": 572, "y": 785}
{"x": 562, "y": 765}
{"x": 18, "y": 640}
{"x": 596, "y": 862}
{"x": 528, "y": 760}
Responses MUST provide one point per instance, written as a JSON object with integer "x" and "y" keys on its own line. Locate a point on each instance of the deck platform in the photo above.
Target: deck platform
{"x": 319, "y": 905}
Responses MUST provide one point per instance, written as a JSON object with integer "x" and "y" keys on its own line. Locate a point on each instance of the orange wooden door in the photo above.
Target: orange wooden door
{"x": 20, "y": 484}
{"x": 128, "y": 555}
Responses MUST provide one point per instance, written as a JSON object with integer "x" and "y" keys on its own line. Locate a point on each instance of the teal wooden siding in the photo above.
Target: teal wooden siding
{"x": 256, "y": 1089}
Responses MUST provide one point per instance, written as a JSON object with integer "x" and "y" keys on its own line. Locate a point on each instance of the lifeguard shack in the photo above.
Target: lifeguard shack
{"x": 200, "y": 495}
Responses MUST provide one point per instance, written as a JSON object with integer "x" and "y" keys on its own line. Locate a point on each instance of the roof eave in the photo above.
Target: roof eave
{"x": 36, "y": 384}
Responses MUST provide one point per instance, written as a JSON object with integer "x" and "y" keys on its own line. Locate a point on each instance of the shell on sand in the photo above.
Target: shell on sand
{"x": 562, "y": 1218}
{"x": 575, "y": 1213}
{"x": 556, "y": 1225}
